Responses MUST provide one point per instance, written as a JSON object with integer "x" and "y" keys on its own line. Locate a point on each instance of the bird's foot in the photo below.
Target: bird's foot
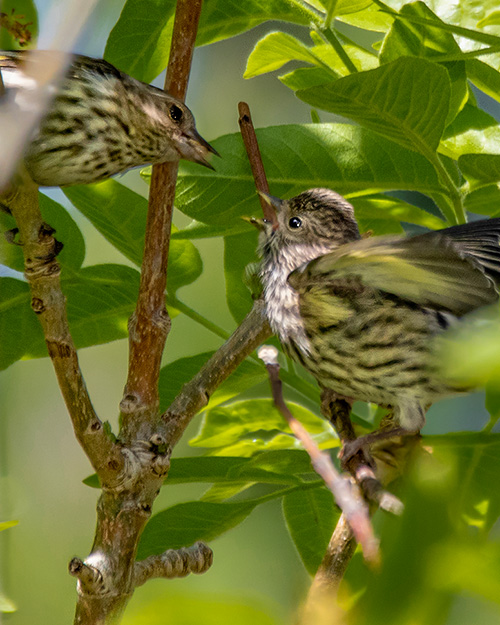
{"x": 362, "y": 444}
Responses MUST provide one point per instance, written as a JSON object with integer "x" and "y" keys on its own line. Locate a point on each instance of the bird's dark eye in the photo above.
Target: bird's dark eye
{"x": 175, "y": 113}
{"x": 295, "y": 222}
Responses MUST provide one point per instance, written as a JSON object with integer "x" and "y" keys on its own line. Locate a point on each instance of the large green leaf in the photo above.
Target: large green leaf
{"x": 100, "y": 299}
{"x": 407, "y": 101}
{"x": 485, "y": 201}
{"x": 409, "y": 39}
{"x": 120, "y": 216}
{"x": 484, "y": 77}
{"x": 343, "y": 157}
{"x": 185, "y": 523}
{"x": 310, "y": 516}
{"x": 177, "y": 373}
{"x": 66, "y": 232}
{"x": 141, "y": 47}
{"x": 247, "y": 427}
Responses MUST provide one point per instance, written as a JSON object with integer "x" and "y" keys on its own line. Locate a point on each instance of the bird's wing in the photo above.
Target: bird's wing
{"x": 432, "y": 271}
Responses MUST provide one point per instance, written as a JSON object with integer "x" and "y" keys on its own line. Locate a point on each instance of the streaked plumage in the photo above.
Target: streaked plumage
{"x": 361, "y": 314}
{"x": 103, "y": 122}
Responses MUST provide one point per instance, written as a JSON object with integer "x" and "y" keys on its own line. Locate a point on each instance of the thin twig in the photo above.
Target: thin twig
{"x": 150, "y": 323}
{"x": 352, "y": 505}
{"x": 253, "y": 152}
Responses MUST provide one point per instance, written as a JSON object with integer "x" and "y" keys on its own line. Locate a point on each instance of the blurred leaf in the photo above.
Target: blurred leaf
{"x": 177, "y": 373}
{"x": 477, "y": 459}
{"x": 239, "y": 251}
{"x": 297, "y": 157}
{"x": 383, "y": 215}
{"x": 409, "y": 39}
{"x": 199, "y": 230}
{"x": 480, "y": 169}
{"x": 141, "y": 47}
{"x": 473, "y": 130}
{"x": 6, "y": 605}
{"x": 407, "y": 101}
{"x": 119, "y": 214}
{"x": 492, "y": 18}
{"x": 67, "y": 232}
{"x": 185, "y": 523}
{"x": 310, "y": 516}
{"x": 24, "y": 12}
{"x": 371, "y": 18}
{"x": 224, "y": 491}
{"x": 257, "y": 422}
{"x": 191, "y": 609}
{"x": 471, "y": 352}
{"x": 5, "y": 525}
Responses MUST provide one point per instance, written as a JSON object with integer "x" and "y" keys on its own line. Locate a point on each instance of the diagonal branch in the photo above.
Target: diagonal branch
{"x": 150, "y": 323}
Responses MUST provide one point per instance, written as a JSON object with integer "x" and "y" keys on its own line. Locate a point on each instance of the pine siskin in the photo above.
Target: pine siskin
{"x": 361, "y": 314}
{"x": 103, "y": 122}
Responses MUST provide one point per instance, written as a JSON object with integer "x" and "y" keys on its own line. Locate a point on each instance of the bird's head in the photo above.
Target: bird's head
{"x": 182, "y": 134}
{"x": 317, "y": 217}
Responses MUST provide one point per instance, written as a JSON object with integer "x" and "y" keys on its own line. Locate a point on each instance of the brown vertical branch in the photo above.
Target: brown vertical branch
{"x": 150, "y": 323}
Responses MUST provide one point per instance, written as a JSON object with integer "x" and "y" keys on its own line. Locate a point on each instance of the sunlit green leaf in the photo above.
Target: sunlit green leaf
{"x": 407, "y": 101}
{"x": 343, "y": 157}
{"x": 480, "y": 169}
{"x": 473, "y": 130}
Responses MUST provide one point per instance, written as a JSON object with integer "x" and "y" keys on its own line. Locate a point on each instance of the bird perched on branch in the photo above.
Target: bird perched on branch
{"x": 102, "y": 122}
{"x": 361, "y": 314}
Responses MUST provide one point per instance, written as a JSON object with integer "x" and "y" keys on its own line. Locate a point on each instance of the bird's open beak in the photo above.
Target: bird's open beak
{"x": 275, "y": 202}
{"x": 196, "y": 149}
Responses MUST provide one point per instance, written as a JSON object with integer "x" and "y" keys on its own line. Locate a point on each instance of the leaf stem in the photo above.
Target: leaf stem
{"x": 195, "y": 316}
{"x": 330, "y": 13}
{"x": 332, "y": 39}
{"x": 457, "y": 215}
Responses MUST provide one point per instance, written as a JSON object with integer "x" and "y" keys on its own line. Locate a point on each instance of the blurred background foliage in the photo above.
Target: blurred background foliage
{"x": 425, "y": 149}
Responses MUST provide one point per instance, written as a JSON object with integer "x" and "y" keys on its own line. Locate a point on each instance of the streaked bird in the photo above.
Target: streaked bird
{"x": 362, "y": 314}
{"x": 102, "y": 122}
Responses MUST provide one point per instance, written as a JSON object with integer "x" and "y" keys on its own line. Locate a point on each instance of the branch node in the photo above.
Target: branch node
{"x": 174, "y": 563}
{"x": 90, "y": 578}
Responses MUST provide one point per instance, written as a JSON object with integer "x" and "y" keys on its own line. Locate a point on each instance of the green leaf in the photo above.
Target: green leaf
{"x": 100, "y": 299}
{"x": 249, "y": 426}
{"x": 305, "y": 77}
{"x": 480, "y": 169}
{"x": 24, "y": 12}
{"x": 383, "y": 215}
{"x": 66, "y": 232}
{"x": 239, "y": 252}
{"x": 174, "y": 375}
{"x": 408, "y": 39}
{"x": 141, "y": 47}
{"x": 278, "y": 48}
{"x": 492, "y": 19}
{"x": 185, "y": 523}
{"x": 119, "y": 214}
{"x": 484, "y": 77}
{"x": 5, "y": 525}
{"x": 473, "y": 130}
{"x": 297, "y": 157}
{"x": 485, "y": 201}
{"x": 310, "y": 516}
{"x": 6, "y": 605}
{"x": 407, "y": 101}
